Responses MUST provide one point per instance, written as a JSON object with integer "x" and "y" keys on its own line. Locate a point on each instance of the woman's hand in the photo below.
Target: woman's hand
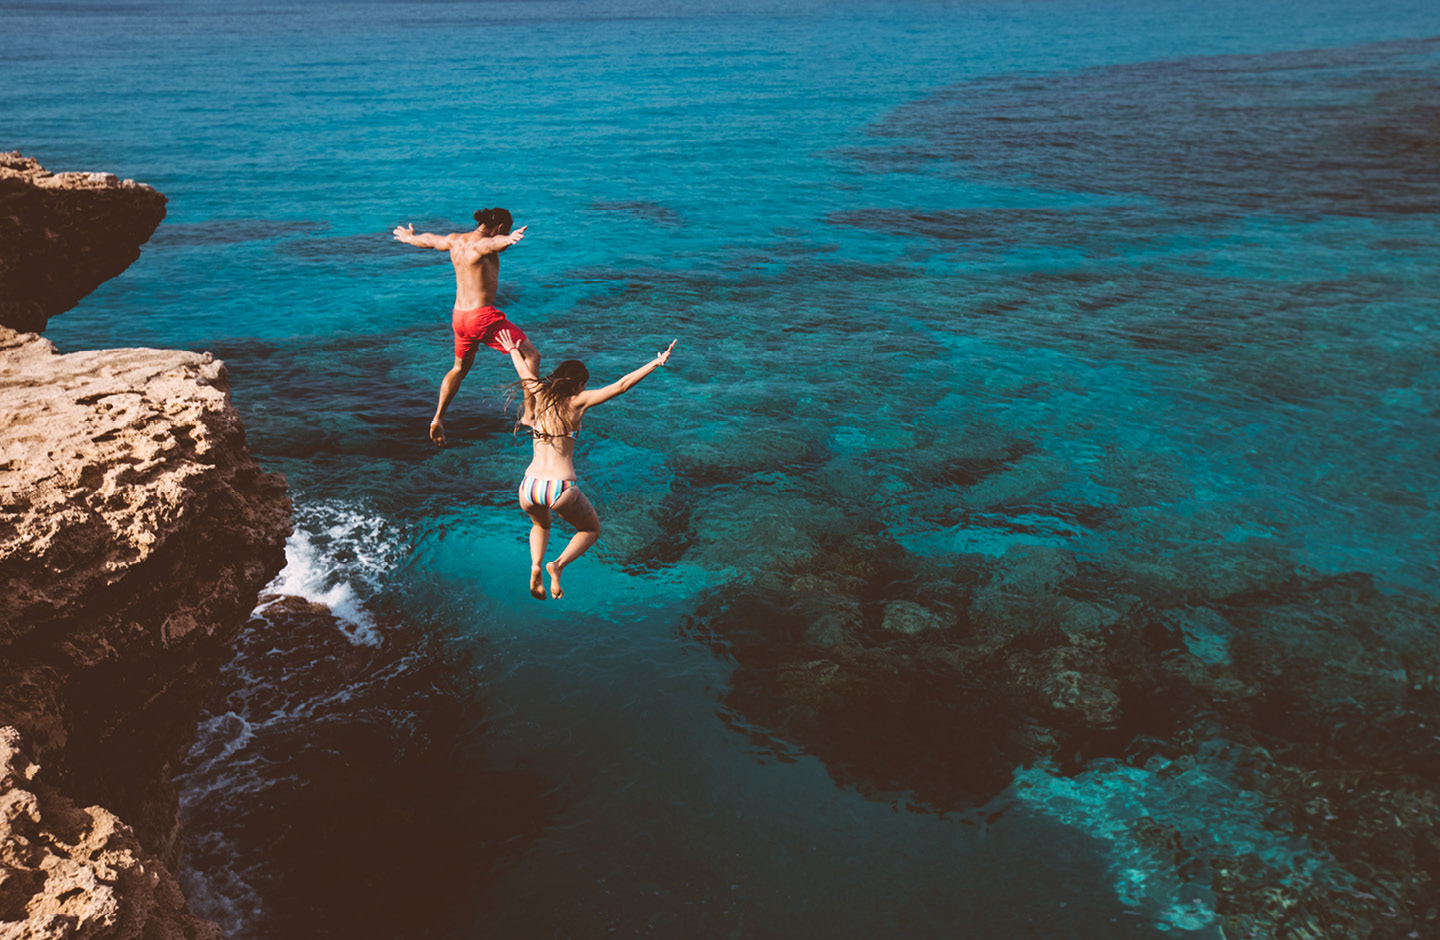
{"x": 507, "y": 341}
{"x": 664, "y": 355}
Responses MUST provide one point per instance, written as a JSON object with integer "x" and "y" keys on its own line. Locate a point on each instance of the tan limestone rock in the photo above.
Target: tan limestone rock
{"x": 135, "y": 532}
{"x": 70, "y": 872}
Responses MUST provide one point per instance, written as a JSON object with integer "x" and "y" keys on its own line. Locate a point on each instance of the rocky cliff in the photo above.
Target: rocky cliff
{"x": 62, "y": 235}
{"x": 135, "y": 533}
{"x": 78, "y": 872}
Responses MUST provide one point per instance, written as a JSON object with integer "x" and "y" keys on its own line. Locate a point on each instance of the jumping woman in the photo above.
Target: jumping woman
{"x": 560, "y": 402}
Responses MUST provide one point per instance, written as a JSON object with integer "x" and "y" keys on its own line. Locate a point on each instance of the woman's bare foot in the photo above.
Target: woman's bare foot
{"x": 437, "y": 432}
{"x": 537, "y": 583}
{"x": 555, "y": 590}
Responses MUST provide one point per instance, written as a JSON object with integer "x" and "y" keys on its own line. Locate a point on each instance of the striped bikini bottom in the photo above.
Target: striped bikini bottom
{"x": 544, "y": 492}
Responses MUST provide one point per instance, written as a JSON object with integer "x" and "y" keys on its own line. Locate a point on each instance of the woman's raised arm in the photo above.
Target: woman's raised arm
{"x": 588, "y": 398}
{"x": 522, "y": 368}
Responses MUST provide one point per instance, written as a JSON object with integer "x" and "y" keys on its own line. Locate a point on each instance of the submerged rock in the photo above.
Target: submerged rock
{"x": 910, "y": 618}
{"x": 1265, "y": 759}
{"x": 64, "y": 234}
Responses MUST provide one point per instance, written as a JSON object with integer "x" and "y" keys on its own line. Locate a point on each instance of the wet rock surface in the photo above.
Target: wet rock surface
{"x": 64, "y": 234}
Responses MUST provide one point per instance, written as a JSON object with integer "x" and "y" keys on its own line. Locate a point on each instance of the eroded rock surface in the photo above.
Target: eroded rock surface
{"x": 64, "y": 234}
{"x": 136, "y": 532}
{"x": 68, "y": 871}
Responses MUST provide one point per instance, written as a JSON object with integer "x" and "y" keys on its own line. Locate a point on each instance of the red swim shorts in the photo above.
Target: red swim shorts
{"x": 474, "y": 327}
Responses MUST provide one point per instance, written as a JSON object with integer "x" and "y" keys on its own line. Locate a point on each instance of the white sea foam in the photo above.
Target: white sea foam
{"x": 217, "y": 739}
{"x": 218, "y": 771}
{"x": 221, "y": 895}
{"x": 338, "y": 555}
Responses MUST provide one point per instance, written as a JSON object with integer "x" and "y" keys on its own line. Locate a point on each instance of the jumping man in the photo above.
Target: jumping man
{"x": 476, "y": 258}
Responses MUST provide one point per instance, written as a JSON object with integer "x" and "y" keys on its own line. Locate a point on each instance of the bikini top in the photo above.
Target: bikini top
{"x": 541, "y": 435}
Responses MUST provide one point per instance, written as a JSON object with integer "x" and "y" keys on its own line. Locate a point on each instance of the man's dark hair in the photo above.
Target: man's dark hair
{"x": 497, "y": 218}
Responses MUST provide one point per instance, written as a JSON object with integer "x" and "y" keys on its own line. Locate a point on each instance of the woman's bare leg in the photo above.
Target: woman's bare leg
{"x": 575, "y": 509}
{"x": 539, "y": 538}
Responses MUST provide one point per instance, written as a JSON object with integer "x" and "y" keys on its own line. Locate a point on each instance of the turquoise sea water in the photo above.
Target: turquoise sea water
{"x": 1152, "y": 284}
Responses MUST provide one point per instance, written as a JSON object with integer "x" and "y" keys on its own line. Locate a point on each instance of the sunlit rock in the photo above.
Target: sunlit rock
{"x": 68, "y": 871}
{"x": 135, "y": 533}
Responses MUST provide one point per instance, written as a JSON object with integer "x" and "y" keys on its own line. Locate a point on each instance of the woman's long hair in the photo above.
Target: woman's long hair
{"x": 552, "y": 393}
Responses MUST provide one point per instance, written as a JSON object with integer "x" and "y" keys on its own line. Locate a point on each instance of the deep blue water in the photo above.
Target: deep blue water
{"x": 1153, "y": 283}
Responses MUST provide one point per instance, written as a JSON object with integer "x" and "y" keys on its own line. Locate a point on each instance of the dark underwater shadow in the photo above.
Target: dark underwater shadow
{"x": 1348, "y": 131}
{"x": 929, "y": 683}
{"x": 344, "y": 791}
{"x": 348, "y": 414}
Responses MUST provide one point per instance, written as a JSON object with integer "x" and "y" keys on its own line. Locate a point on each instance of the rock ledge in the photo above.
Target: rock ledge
{"x": 64, "y": 234}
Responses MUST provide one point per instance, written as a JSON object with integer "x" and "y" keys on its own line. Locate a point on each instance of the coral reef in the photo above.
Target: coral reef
{"x": 1257, "y": 741}
{"x": 62, "y": 235}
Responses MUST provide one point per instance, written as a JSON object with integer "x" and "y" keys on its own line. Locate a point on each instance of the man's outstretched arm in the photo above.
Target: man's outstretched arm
{"x": 498, "y": 243}
{"x": 407, "y": 234}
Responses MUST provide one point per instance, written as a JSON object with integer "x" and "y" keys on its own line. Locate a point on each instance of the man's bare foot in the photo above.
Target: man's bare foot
{"x": 537, "y": 583}
{"x": 437, "y": 432}
{"x": 555, "y": 590}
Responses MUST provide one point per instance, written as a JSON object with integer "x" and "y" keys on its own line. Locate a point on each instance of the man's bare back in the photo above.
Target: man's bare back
{"x": 477, "y": 270}
{"x": 475, "y": 257}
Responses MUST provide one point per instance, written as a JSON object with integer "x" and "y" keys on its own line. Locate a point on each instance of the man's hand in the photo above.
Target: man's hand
{"x": 515, "y": 236}
{"x": 404, "y": 233}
